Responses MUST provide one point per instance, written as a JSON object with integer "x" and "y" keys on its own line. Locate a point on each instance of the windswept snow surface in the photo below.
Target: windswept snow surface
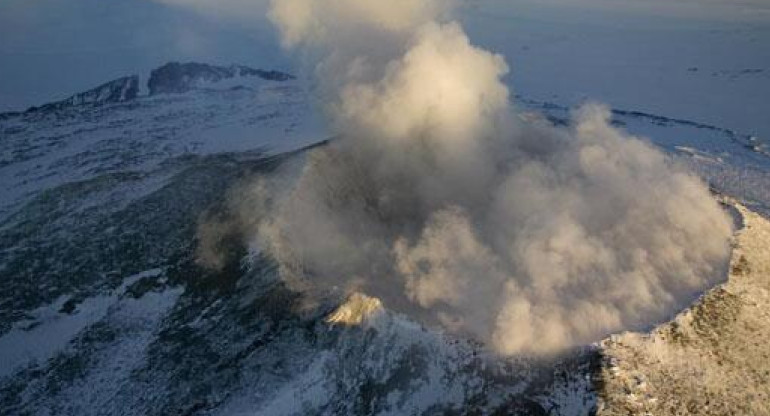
{"x": 48, "y": 329}
{"x": 44, "y": 149}
{"x": 705, "y": 64}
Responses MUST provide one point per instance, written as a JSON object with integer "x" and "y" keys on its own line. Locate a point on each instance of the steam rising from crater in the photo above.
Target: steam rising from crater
{"x": 442, "y": 199}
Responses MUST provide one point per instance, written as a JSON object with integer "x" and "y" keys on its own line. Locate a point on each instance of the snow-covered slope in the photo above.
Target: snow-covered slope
{"x": 637, "y": 55}
{"x": 80, "y": 139}
{"x": 116, "y": 91}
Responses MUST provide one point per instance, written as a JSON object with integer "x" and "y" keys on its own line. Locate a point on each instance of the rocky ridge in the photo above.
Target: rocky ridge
{"x": 116, "y": 91}
{"x": 175, "y": 77}
{"x": 713, "y": 358}
{"x": 171, "y": 78}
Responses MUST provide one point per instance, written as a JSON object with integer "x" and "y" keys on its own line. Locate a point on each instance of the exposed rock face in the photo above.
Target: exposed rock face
{"x": 356, "y": 310}
{"x": 175, "y": 77}
{"x": 271, "y": 75}
{"x": 116, "y": 91}
{"x": 713, "y": 359}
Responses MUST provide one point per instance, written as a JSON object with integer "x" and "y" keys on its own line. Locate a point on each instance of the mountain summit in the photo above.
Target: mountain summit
{"x": 175, "y": 77}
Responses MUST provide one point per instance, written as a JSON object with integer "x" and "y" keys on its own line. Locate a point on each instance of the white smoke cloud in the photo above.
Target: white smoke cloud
{"x": 330, "y": 21}
{"x": 444, "y": 201}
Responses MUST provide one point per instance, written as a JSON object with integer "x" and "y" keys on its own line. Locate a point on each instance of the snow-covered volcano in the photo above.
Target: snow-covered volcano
{"x": 105, "y": 310}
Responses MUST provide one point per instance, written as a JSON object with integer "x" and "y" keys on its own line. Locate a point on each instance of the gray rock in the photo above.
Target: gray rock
{"x": 175, "y": 77}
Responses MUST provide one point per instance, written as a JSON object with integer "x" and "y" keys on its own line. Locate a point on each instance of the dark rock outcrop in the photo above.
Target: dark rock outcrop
{"x": 175, "y": 77}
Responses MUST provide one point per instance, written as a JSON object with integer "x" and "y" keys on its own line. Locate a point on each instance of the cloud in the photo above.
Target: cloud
{"x": 330, "y": 21}
{"x": 447, "y": 203}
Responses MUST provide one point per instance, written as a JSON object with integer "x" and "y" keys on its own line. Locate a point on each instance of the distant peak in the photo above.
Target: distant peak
{"x": 115, "y": 91}
{"x": 176, "y": 77}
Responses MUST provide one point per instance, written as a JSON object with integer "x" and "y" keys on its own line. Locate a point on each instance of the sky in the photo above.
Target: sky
{"x": 632, "y": 54}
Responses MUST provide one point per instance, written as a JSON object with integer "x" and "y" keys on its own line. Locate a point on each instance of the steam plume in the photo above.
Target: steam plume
{"x": 444, "y": 201}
